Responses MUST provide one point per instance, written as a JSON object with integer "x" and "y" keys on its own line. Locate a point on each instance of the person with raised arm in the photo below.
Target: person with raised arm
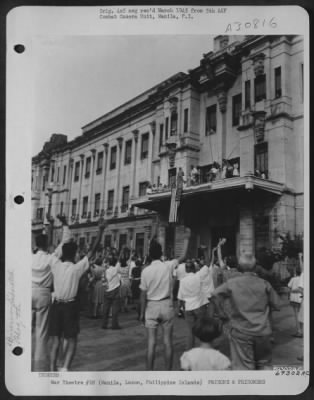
{"x": 112, "y": 300}
{"x": 251, "y": 300}
{"x": 64, "y": 312}
{"x": 157, "y": 308}
{"x": 42, "y": 283}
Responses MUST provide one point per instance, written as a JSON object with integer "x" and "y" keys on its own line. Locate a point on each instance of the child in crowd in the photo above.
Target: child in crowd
{"x": 204, "y": 357}
{"x": 295, "y": 298}
{"x": 251, "y": 300}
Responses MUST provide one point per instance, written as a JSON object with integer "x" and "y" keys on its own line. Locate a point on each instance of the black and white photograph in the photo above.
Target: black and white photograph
{"x": 167, "y": 204}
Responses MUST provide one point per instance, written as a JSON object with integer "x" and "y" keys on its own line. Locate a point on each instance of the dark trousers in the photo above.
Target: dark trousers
{"x": 112, "y": 300}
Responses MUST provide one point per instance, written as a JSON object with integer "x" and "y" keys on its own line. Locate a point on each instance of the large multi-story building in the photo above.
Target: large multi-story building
{"x": 242, "y": 108}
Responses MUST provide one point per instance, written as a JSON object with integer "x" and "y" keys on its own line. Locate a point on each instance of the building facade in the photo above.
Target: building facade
{"x": 236, "y": 120}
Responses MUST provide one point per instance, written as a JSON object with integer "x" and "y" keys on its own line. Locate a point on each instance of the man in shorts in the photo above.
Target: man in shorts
{"x": 157, "y": 307}
{"x": 64, "y": 313}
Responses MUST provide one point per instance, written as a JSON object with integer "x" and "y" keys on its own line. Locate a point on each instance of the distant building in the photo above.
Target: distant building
{"x": 237, "y": 118}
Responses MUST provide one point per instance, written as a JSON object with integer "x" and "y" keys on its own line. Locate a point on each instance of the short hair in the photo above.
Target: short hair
{"x": 112, "y": 259}
{"x": 42, "y": 241}
{"x": 247, "y": 262}
{"x": 69, "y": 251}
{"x": 155, "y": 251}
{"x": 189, "y": 266}
{"x": 206, "y": 329}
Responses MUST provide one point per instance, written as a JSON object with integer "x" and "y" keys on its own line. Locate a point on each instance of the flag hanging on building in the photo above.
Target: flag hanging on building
{"x": 176, "y": 194}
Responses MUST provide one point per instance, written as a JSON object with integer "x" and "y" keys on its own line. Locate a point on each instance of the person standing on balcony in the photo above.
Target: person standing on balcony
{"x": 157, "y": 307}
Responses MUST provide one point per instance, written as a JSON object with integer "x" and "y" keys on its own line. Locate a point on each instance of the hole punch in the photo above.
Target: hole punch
{"x": 19, "y": 199}
{"x": 19, "y": 48}
{"x": 17, "y": 351}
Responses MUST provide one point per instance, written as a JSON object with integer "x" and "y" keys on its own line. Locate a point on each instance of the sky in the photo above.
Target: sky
{"x": 78, "y": 79}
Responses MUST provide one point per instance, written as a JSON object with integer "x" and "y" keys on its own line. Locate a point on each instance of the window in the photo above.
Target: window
{"x": 172, "y": 177}
{"x": 125, "y": 198}
{"x": 52, "y": 173}
{"x": 97, "y": 205}
{"x": 186, "y": 120}
{"x": 74, "y": 207}
{"x": 110, "y": 200}
{"x": 166, "y": 128}
{"x": 161, "y": 135}
{"x": 139, "y": 244}
{"x": 260, "y": 87}
{"x": 40, "y": 214}
{"x": 261, "y": 160}
{"x": 45, "y": 178}
{"x": 277, "y": 82}
{"x": 113, "y": 157}
{"x": 88, "y": 166}
{"x": 85, "y": 205}
{"x": 122, "y": 240}
{"x": 58, "y": 174}
{"x": 247, "y": 94}
{"x": 61, "y": 208}
{"x": 144, "y": 146}
{"x": 77, "y": 171}
{"x": 100, "y": 158}
{"x": 128, "y": 152}
{"x": 236, "y": 109}
{"x": 173, "y": 124}
{"x": 64, "y": 174}
{"x": 211, "y": 120}
{"x": 107, "y": 241}
{"x": 142, "y": 189}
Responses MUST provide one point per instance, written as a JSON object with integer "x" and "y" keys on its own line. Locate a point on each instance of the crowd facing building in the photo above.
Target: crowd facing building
{"x": 233, "y": 124}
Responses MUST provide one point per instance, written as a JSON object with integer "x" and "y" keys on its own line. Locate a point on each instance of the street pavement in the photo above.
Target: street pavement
{"x": 125, "y": 349}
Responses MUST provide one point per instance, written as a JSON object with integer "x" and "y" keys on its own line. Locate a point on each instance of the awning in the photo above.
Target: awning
{"x": 160, "y": 199}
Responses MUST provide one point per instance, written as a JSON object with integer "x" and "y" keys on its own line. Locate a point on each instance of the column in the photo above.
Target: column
{"x": 247, "y": 231}
{"x": 80, "y": 189}
{"x": 69, "y": 185}
{"x": 117, "y": 191}
{"x": 105, "y": 163}
{"x": 148, "y": 232}
{"x": 161, "y": 236}
{"x": 135, "y": 137}
{"x": 221, "y": 93}
{"x": 151, "y": 151}
{"x": 91, "y": 193}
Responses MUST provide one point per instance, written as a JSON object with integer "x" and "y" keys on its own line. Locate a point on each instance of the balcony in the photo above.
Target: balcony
{"x": 161, "y": 199}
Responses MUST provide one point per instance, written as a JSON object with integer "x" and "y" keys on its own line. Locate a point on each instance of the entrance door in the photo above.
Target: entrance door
{"x": 229, "y": 233}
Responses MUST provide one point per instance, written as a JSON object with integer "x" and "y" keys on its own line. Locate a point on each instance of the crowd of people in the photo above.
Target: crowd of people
{"x": 214, "y": 295}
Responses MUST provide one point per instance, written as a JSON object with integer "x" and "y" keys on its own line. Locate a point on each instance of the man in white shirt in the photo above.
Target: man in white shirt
{"x": 195, "y": 301}
{"x": 64, "y": 312}
{"x": 112, "y": 293}
{"x": 157, "y": 302}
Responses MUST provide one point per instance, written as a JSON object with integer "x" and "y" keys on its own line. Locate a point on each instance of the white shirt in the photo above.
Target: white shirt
{"x": 180, "y": 272}
{"x": 156, "y": 279}
{"x": 66, "y": 277}
{"x": 294, "y": 283}
{"x": 190, "y": 289}
{"x": 113, "y": 277}
{"x": 207, "y": 283}
{"x": 132, "y": 265}
{"x": 41, "y": 262}
{"x": 202, "y": 359}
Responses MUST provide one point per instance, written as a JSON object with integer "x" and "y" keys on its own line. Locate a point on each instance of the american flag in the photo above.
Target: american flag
{"x": 176, "y": 194}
